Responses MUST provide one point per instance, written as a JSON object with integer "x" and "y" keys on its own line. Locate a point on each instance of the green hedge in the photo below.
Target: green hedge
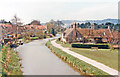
{"x": 34, "y": 38}
{"x": 100, "y": 46}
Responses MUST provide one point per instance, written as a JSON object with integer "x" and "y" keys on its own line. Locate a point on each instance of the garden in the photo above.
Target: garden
{"x": 108, "y": 57}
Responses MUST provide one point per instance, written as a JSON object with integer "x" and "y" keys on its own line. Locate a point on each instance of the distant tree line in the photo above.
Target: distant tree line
{"x": 114, "y": 27}
{"x": 54, "y": 27}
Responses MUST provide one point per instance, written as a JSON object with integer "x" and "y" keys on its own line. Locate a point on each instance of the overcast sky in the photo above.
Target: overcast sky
{"x": 45, "y": 10}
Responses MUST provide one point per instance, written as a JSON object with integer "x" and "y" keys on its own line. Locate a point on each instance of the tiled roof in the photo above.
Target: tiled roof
{"x": 86, "y": 32}
{"x": 4, "y": 25}
{"x": 116, "y": 35}
{"x": 42, "y": 27}
{"x": 36, "y": 26}
{"x": 68, "y": 31}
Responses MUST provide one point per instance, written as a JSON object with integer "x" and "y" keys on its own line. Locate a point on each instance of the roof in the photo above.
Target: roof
{"x": 5, "y": 25}
{"x": 42, "y": 27}
{"x": 116, "y": 35}
{"x": 89, "y": 33}
{"x": 68, "y": 31}
{"x": 86, "y": 32}
{"x": 36, "y": 26}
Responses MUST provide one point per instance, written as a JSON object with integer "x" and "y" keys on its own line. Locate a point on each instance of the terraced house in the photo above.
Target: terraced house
{"x": 90, "y": 35}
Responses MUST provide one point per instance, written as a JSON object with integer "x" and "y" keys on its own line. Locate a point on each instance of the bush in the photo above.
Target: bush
{"x": 100, "y": 46}
{"x": 34, "y": 38}
{"x": 13, "y": 45}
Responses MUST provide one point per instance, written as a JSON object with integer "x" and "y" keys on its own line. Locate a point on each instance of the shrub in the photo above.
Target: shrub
{"x": 100, "y": 46}
{"x": 34, "y": 38}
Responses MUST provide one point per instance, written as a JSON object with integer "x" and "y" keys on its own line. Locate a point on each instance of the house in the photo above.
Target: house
{"x": 35, "y": 22}
{"x": 11, "y": 30}
{"x": 0, "y": 32}
{"x": 35, "y": 27}
{"x": 88, "y": 35}
{"x": 0, "y": 36}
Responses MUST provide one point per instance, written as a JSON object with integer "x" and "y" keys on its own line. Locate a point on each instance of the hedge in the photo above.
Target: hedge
{"x": 34, "y": 38}
{"x": 100, "y": 46}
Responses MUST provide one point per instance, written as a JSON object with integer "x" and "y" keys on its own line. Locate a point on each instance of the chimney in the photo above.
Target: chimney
{"x": 75, "y": 25}
{"x": 72, "y": 26}
{"x": 92, "y": 26}
{"x": 109, "y": 27}
{"x": 110, "y": 31}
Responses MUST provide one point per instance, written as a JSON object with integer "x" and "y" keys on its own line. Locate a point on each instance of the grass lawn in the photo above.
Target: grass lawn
{"x": 64, "y": 44}
{"x": 105, "y": 56}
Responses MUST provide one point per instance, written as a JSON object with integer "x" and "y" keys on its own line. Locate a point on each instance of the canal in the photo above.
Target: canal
{"x": 37, "y": 59}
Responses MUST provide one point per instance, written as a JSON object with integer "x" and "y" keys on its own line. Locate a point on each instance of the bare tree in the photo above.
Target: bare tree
{"x": 16, "y": 22}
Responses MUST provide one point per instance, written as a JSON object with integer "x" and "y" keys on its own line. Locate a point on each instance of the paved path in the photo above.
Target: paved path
{"x": 87, "y": 60}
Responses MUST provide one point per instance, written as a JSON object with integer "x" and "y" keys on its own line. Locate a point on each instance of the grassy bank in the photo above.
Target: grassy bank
{"x": 106, "y": 56}
{"x": 0, "y": 63}
{"x": 10, "y": 62}
{"x": 81, "y": 66}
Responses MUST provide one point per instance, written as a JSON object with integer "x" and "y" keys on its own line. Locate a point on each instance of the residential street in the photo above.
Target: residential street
{"x": 87, "y": 60}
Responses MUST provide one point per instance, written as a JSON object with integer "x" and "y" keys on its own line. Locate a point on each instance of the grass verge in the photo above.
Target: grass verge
{"x": 10, "y": 62}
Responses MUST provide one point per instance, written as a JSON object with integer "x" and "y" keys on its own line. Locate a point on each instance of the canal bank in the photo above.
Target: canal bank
{"x": 38, "y": 60}
{"x": 82, "y": 66}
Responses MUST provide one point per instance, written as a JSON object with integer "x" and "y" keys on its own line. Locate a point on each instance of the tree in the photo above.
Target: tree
{"x": 51, "y": 24}
{"x": 16, "y": 21}
{"x": 59, "y": 23}
{"x": 53, "y": 31}
{"x": 108, "y": 23}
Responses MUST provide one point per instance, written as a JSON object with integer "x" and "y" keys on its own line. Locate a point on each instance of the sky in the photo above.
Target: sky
{"x": 45, "y": 10}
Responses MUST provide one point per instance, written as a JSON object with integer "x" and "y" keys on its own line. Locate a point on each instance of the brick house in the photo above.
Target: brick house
{"x": 88, "y": 35}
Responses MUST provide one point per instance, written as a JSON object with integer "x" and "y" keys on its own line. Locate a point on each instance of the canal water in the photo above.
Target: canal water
{"x": 37, "y": 59}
